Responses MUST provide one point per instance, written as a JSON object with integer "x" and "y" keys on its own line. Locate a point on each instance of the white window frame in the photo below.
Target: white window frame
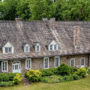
{"x": 27, "y": 68}
{"x": 12, "y": 50}
{"x": 36, "y": 50}
{"x": 4, "y": 66}
{"x": 53, "y": 47}
{"x": 55, "y": 61}
{"x": 84, "y": 63}
{"x": 44, "y": 62}
{"x": 26, "y": 47}
{"x": 74, "y": 62}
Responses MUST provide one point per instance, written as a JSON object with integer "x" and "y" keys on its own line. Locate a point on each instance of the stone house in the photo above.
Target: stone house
{"x": 43, "y": 44}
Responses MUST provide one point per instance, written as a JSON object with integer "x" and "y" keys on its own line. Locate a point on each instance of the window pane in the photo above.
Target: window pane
{"x": 55, "y": 47}
{"x": 82, "y": 61}
{"x": 51, "y": 47}
{"x": 38, "y": 48}
{"x": 6, "y": 50}
{"x": 28, "y": 64}
{"x": 72, "y": 62}
{"x": 56, "y": 62}
{"x": 5, "y": 66}
{"x": 27, "y": 49}
{"x": 46, "y": 63}
{"x": 10, "y": 50}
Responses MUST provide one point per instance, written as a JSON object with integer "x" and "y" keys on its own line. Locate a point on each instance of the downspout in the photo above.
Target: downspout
{"x": 88, "y": 60}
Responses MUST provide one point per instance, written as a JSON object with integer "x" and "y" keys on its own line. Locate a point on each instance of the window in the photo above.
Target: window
{"x": 37, "y": 48}
{"x": 56, "y": 61}
{"x": 72, "y": 62}
{"x": 8, "y": 50}
{"x": 53, "y": 47}
{"x": 82, "y": 62}
{"x": 46, "y": 62}
{"x": 27, "y": 49}
{"x": 4, "y": 66}
{"x": 28, "y": 64}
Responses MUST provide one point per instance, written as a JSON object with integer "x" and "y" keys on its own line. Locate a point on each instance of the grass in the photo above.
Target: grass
{"x": 83, "y": 84}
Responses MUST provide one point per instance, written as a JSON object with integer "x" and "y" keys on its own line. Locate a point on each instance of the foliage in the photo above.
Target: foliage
{"x": 68, "y": 78}
{"x": 52, "y": 79}
{"x": 81, "y": 72}
{"x": 33, "y": 75}
{"x": 63, "y": 69}
{"x": 88, "y": 70}
{"x": 75, "y": 77}
{"x": 17, "y": 79}
{"x": 6, "y": 84}
{"x": 73, "y": 69}
{"x": 48, "y": 72}
{"x": 7, "y": 76}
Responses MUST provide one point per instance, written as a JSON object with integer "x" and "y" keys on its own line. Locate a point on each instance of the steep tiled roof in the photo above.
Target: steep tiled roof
{"x": 39, "y": 31}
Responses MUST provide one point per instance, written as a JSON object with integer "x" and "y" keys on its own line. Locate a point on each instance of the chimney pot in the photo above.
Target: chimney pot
{"x": 18, "y": 19}
{"x": 45, "y": 19}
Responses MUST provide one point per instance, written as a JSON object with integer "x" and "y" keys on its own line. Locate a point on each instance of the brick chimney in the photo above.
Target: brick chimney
{"x": 18, "y": 19}
{"x": 77, "y": 37}
{"x": 52, "y": 23}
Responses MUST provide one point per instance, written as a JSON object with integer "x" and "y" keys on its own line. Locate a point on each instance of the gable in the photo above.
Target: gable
{"x": 53, "y": 42}
{"x": 8, "y": 44}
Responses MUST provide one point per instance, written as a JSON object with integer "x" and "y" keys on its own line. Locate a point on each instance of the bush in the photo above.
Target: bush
{"x": 48, "y": 72}
{"x": 73, "y": 69}
{"x": 68, "y": 78}
{"x": 75, "y": 77}
{"x": 17, "y": 79}
{"x": 88, "y": 70}
{"x": 81, "y": 72}
{"x": 7, "y": 77}
{"x": 33, "y": 75}
{"x": 6, "y": 84}
{"x": 52, "y": 79}
{"x": 63, "y": 69}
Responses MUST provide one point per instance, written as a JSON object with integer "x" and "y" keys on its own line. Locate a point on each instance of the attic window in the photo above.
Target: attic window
{"x": 27, "y": 48}
{"x": 53, "y": 47}
{"x": 37, "y": 48}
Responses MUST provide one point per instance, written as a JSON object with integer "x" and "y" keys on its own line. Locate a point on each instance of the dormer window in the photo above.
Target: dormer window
{"x": 37, "y": 48}
{"x": 53, "y": 46}
{"x": 7, "y": 48}
{"x": 26, "y": 48}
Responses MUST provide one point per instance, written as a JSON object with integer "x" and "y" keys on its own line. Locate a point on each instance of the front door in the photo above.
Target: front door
{"x": 16, "y": 67}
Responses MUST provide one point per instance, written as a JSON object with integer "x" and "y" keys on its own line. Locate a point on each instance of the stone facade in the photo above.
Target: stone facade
{"x": 37, "y": 63}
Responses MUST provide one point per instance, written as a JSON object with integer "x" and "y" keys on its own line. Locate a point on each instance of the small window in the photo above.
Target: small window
{"x": 56, "y": 61}
{"x": 72, "y": 62}
{"x": 53, "y": 47}
{"x": 37, "y": 48}
{"x": 4, "y": 66}
{"x": 28, "y": 64}
{"x": 8, "y": 50}
{"x": 82, "y": 62}
{"x": 27, "y": 49}
{"x": 46, "y": 63}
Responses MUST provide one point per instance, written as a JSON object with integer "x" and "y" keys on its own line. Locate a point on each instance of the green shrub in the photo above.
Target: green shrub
{"x": 52, "y": 79}
{"x": 88, "y": 70}
{"x": 81, "y": 72}
{"x": 68, "y": 78}
{"x": 48, "y": 72}
{"x": 63, "y": 69}
{"x": 75, "y": 77}
{"x": 33, "y": 75}
{"x": 17, "y": 79}
{"x": 6, "y": 84}
{"x": 73, "y": 69}
{"x": 7, "y": 76}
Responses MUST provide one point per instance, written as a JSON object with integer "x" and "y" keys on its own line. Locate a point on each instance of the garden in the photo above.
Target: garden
{"x": 9, "y": 79}
{"x": 57, "y": 75}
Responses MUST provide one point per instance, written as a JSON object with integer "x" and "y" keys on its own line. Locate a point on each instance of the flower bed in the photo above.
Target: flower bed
{"x": 9, "y": 79}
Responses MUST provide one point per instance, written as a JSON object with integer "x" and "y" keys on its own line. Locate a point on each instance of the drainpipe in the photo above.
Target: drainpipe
{"x": 88, "y": 60}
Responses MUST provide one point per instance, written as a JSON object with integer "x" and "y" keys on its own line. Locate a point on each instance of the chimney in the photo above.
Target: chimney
{"x": 52, "y": 23}
{"x": 18, "y": 19}
{"x": 77, "y": 37}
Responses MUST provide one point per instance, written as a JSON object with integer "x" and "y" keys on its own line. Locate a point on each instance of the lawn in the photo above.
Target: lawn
{"x": 83, "y": 84}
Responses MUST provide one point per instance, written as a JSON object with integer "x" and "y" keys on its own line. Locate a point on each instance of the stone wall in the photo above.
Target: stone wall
{"x": 37, "y": 63}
